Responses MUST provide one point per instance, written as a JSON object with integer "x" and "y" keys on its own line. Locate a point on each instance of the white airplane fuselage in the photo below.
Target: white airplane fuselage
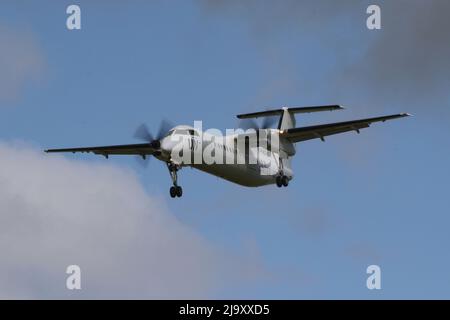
{"x": 262, "y": 171}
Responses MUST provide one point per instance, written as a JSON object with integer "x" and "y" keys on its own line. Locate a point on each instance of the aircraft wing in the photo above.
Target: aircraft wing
{"x": 320, "y": 131}
{"x": 141, "y": 149}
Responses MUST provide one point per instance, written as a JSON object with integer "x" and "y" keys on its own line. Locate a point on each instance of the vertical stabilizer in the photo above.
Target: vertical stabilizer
{"x": 287, "y": 120}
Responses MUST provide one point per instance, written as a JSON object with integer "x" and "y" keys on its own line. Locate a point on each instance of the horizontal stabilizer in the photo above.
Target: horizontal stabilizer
{"x": 279, "y": 112}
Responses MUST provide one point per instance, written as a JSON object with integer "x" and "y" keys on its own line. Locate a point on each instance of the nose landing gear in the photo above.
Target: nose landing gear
{"x": 175, "y": 190}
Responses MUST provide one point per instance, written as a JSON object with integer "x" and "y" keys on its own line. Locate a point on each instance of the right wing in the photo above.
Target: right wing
{"x": 320, "y": 131}
{"x": 141, "y": 149}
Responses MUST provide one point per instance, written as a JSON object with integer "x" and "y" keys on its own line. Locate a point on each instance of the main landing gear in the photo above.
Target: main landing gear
{"x": 175, "y": 190}
{"x": 282, "y": 181}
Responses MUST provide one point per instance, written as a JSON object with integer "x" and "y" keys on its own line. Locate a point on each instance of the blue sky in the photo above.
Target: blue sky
{"x": 375, "y": 198}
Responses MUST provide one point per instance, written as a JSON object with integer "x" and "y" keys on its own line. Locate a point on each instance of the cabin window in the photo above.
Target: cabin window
{"x": 247, "y": 149}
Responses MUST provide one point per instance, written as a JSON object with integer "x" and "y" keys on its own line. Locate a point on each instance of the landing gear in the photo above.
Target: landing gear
{"x": 278, "y": 181}
{"x": 179, "y": 191}
{"x": 175, "y": 190}
{"x": 282, "y": 181}
{"x": 285, "y": 181}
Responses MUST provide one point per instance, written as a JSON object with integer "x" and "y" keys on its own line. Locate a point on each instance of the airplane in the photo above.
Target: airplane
{"x": 273, "y": 160}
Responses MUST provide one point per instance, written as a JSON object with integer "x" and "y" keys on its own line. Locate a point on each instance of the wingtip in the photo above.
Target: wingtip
{"x": 406, "y": 114}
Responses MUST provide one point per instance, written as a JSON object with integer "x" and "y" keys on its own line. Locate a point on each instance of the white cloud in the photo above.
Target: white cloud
{"x": 55, "y": 212}
{"x": 21, "y": 60}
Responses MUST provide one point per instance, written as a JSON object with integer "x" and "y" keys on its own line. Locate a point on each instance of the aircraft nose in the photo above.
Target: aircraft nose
{"x": 167, "y": 145}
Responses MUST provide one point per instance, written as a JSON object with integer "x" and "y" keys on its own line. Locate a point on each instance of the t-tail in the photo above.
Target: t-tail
{"x": 287, "y": 115}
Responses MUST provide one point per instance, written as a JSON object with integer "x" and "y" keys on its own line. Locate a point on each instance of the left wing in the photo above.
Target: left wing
{"x": 320, "y": 131}
{"x": 142, "y": 149}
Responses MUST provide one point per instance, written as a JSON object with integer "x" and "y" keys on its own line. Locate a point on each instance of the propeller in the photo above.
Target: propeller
{"x": 144, "y": 134}
{"x": 248, "y": 123}
{"x": 269, "y": 122}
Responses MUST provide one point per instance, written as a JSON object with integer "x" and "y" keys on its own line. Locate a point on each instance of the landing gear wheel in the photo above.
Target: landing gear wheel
{"x": 279, "y": 181}
{"x": 284, "y": 181}
{"x": 173, "y": 191}
{"x": 179, "y": 191}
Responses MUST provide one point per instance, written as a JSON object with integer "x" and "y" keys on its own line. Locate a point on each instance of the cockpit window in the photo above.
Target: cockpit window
{"x": 190, "y": 132}
{"x": 181, "y": 131}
